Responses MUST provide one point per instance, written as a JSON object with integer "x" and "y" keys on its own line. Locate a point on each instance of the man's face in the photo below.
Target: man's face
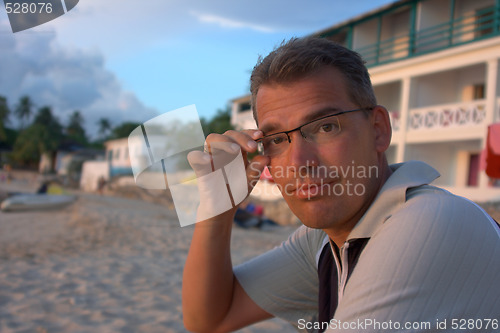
{"x": 327, "y": 185}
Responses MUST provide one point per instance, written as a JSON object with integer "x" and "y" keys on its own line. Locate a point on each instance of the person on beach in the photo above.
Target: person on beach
{"x": 379, "y": 250}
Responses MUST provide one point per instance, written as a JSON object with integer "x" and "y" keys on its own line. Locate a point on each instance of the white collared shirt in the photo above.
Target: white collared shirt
{"x": 432, "y": 257}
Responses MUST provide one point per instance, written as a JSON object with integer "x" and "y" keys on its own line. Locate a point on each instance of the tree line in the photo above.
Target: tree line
{"x": 41, "y": 132}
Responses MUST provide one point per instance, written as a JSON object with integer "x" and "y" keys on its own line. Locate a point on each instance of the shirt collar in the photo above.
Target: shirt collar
{"x": 393, "y": 195}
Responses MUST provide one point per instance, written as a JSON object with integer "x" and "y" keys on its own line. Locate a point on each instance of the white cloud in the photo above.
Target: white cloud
{"x": 230, "y": 23}
{"x": 66, "y": 79}
{"x": 279, "y": 15}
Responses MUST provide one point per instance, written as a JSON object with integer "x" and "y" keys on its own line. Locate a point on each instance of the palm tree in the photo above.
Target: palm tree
{"x": 75, "y": 129}
{"x": 44, "y": 135}
{"x": 104, "y": 127}
{"x": 24, "y": 109}
{"x": 75, "y": 119}
{"x": 4, "y": 117}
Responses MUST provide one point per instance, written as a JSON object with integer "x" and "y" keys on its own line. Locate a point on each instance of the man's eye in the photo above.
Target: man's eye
{"x": 273, "y": 141}
{"x": 325, "y": 128}
{"x": 276, "y": 141}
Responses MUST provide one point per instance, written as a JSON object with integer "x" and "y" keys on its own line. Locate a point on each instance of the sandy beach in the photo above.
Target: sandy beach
{"x": 107, "y": 264}
{"x": 104, "y": 264}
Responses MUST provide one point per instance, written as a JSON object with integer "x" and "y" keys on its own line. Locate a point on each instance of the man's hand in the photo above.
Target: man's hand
{"x": 212, "y": 298}
{"x": 223, "y": 154}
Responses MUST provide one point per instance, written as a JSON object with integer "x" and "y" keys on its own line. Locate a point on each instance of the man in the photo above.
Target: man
{"x": 380, "y": 249}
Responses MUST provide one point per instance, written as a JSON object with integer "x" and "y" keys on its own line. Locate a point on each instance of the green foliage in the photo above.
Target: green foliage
{"x": 4, "y": 118}
{"x": 97, "y": 144}
{"x": 11, "y": 136}
{"x": 220, "y": 123}
{"x": 104, "y": 127}
{"x": 24, "y": 109}
{"x": 30, "y": 144}
{"x": 75, "y": 131}
{"x": 43, "y": 136}
{"x": 123, "y": 130}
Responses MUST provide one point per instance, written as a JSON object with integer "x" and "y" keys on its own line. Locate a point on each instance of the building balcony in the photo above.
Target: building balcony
{"x": 456, "y": 121}
{"x": 413, "y": 28}
{"x": 475, "y": 26}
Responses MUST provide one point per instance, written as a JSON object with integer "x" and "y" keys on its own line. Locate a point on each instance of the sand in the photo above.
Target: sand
{"x": 104, "y": 264}
{"x": 107, "y": 264}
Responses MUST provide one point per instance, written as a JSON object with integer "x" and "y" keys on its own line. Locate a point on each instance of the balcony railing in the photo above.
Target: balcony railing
{"x": 447, "y": 116}
{"x": 478, "y": 25}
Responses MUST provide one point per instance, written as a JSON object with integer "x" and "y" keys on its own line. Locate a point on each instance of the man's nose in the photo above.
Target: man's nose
{"x": 302, "y": 154}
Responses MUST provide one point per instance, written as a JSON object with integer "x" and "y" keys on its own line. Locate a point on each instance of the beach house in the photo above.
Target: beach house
{"x": 434, "y": 65}
{"x": 115, "y": 163}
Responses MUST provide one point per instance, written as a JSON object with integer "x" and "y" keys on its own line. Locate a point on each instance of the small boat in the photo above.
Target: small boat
{"x": 25, "y": 202}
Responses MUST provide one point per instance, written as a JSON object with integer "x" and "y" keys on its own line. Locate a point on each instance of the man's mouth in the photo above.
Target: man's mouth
{"x": 312, "y": 190}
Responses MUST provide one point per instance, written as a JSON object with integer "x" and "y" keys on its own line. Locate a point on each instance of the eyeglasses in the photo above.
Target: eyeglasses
{"x": 320, "y": 130}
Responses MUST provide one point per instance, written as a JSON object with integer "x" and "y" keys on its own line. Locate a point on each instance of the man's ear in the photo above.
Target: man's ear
{"x": 382, "y": 126}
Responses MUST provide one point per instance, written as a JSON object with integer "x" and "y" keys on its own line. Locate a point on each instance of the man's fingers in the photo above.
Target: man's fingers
{"x": 200, "y": 162}
{"x": 244, "y": 139}
{"x": 253, "y": 133}
{"x": 197, "y": 157}
{"x": 213, "y": 147}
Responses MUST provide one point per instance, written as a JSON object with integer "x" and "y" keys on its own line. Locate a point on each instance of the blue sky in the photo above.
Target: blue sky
{"x": 132, "y": 60}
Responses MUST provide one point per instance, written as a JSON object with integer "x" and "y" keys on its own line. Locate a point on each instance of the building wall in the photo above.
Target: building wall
{"x": 463, "y": 7}
{"x": 389, "y": 95}
{"x": 395, "y": 24}
{"x": 444, "y": 157}
{"x": 91, "y": 172}
{"x": 429, "y": 15}
{"x": 433, "y": 89}
{"x": 45, "y": 164}
{"x": 447, "y": 86}
{"x": 467, "y": 78}
{"x": 498, "y": 76}
{"x": 246, "y": 121}
{"x": 117, "y": 153}
{"x": 432, "y": 13}
{"x": 391, "y": 154}
{"x": 365, "y": 34}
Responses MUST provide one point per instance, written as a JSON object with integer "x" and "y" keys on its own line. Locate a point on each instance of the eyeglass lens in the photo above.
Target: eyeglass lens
{"x": 318, "y": 131}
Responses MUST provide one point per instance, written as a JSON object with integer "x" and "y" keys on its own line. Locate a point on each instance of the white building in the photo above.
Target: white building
{"x": 116, "y": 163}
{"x": 117, "y": 155}
{"x": 434, "y": 65}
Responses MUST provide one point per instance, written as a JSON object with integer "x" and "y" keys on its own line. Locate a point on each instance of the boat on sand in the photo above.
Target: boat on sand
{"x": 38, "y": 201}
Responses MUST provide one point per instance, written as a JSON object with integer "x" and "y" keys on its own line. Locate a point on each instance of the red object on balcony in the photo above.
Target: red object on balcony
{"x": 493, "y": 151}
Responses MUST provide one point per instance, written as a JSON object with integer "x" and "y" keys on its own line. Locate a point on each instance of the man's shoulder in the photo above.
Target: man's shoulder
{"x": 309, "y": 239}
{"x": 421, "y": 199}
{"x": 430, "y": 211}
{"x": 435, "y": 203}
{"x": 422, "y": 257}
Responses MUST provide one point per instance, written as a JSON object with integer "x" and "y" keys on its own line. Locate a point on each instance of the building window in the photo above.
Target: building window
{"x": 117, "y": 154}
{"x": 244, "y": 106}
{"x": 473, "y": 176}
{"x": 473, "y": 92}
{"x": 478, "y": 91}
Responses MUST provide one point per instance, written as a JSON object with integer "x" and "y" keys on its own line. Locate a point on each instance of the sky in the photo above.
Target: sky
{"x": 130, "y": 60}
